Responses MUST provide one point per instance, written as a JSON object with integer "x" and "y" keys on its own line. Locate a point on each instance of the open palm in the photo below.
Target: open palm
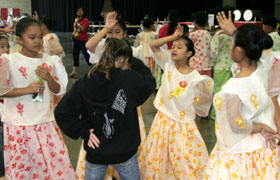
{"x": 111, "y": 20}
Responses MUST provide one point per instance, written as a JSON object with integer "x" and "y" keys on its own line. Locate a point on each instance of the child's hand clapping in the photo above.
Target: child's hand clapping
{"x": 111, "y": 20}
{"x": 43, "y": 73}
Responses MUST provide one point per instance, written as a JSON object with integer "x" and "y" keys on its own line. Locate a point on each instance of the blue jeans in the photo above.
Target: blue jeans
{"x": 128, "y": 170}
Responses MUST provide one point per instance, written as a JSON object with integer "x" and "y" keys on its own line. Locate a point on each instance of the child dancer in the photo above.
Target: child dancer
{"x": 174, "y": 147}
{"x": 244, "y": 112}
{"x": 115, "y": 28}
{"x": 32, "y": 147}
{"x": 269, "y": 27}
{"x": 201, "y": 39}
{"x": 106, "y": 99}
{"x": 51, "y": 45}
{"x": 221, "y": 61}
{"x": 4, "y": 48}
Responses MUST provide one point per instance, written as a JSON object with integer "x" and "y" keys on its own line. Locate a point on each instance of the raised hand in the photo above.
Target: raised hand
{"x": 179, "y": 31}
{"x": 111, "y": 20}
{"x": 226, "y": 23}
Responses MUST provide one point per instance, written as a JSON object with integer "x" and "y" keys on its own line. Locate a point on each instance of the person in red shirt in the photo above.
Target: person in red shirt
{"x": 169, "y": 29}
{"x": 80, "y": 37}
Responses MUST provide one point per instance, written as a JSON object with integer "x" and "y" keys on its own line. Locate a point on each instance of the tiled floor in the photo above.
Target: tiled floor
{"x": 205, "y": 125}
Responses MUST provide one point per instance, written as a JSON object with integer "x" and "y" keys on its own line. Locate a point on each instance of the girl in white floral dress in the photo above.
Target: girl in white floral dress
{"x": 33, "y": 148}
{"x": 174, "y": 148}
{"x": 244, "y": 122}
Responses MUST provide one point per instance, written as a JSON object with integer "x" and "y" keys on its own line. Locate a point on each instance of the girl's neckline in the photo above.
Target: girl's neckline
{"x": 246, "y": 77}
{"x": 31, "y": 57}
{"x": 193, "y": 70}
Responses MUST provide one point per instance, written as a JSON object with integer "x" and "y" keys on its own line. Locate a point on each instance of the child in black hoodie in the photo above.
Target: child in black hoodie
{"x": 101, "y": 108}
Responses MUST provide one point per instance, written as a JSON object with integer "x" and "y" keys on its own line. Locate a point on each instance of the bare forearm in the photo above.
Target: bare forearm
{"x": 17, "y": 92}
{"x": 93, "y": 42}
{"x": 276, "y": 112}
{"x": 53, "y": 85}
{"x": 156, "y": 44}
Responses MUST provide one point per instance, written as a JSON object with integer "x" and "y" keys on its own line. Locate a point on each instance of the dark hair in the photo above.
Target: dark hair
{"x": 23, "y": 24}
{"x": 114, "y": 48}
{"x": 185, "y": 28}
{"x": 48, "y": 22}
{"x": 121, "y": 23}
{"x": 201, "y": 18}
{"x": 3, "y": 37}
{"x": 189, "y": 44}
{"x": 147, "y": 22}
{"x": 253, "y": 40}
{"x": 173, "y": 16}
{"x": 270, "y": 21}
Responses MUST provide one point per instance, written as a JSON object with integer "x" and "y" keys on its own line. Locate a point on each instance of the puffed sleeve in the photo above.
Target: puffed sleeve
{"x": 162, "y": 57}
{"x": 56, "y": 47}
{"x": 232, "y": 126}
{"x": 5, "y": 74}
{"x": 61, "y": 74}
{"x": 274, "y": 80}
{"x": 96, "y": 55}
{"x": 203, "y": 96}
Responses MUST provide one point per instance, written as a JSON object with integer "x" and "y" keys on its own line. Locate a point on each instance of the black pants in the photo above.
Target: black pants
{"x": 77, "y": 47}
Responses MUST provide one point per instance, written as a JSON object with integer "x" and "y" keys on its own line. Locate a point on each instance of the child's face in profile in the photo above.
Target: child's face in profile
{"x": 4, "y": 46}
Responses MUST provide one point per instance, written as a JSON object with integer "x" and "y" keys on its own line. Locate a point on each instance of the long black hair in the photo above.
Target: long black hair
{"x": 173, "y": 16}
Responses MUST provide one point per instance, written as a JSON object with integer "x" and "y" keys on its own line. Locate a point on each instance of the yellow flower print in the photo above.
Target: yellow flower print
{"x": 218, "y": 102}
{"x": 234, "y": 175}
{"x": 171, "y": 94}
{"x": 217, "y": 126}
{"x": 197, "y": 101}
{"x": 169, "y": 75}
{"x": 253, "y": 99}
{"x": 182, "y": 115}
{"x": 161, "y": 101}
{"x": 240, "y": 122}
{"x": 209, "y": 82}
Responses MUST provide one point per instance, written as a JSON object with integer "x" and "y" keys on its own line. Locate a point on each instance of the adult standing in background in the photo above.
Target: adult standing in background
{"x": 169, "y": 29}
{"x": 80, "y": 37}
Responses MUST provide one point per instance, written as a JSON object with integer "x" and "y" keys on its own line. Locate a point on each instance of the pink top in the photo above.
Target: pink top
{"x": 201, "y": 59}
{"x": 163, "y": 33}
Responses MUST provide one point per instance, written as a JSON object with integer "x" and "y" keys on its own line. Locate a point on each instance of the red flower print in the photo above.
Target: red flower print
{"x": 61, "y": 152}
{"x": 22, "y": 177}
{"x": 59, "y": 173}
{"x": 47, "y": 178}
{"x": 24, "y": 151}
{"x": 11, "y": 138}
{"x": 49, "y": 68}
{"x": 274, "y": 62}
{"x": 18, "y": 132}
{"x": 183, "y": 84}
{"x": 52, "y": 154}
{"x": 45, "y": 171}
{"x": 14, "y": 147}
{"x": 23, "y": 72}
{"x": 35, "y": 176}
{"x": 5, "y": 147}
{"x": 14, "y": 165}
{"x": 18, "y": 158}
{"x": 40, "y": 164}
{"x": 60, "y": 160}
{"x": 55, "y": 78}
{"x": 1, "y": 60}
{"x": 51, "y": 144}
{"x": 21, "y": 166}
{"x": 39, "y": 151}
{"x": 49, "y": 136}
{"x": 20, "y": 108}
{"x": 28, "y": 168}
{"x": 19, "y": 140}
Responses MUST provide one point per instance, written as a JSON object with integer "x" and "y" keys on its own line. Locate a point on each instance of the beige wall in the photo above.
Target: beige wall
{"x": 23, "y": 5}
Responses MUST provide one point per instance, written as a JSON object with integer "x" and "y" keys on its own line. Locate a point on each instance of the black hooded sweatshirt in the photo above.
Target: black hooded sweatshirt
{"x": 109, "y": 107}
